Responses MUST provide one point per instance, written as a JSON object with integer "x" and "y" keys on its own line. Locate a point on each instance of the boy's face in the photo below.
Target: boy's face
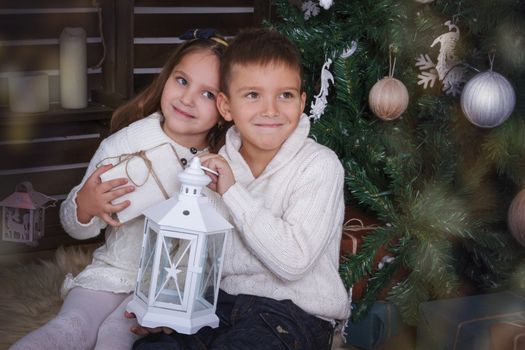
{"x": 265, "y": 103}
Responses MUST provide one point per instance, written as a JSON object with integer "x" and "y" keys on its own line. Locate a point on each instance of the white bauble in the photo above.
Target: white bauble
{"x": 488, "y": 99}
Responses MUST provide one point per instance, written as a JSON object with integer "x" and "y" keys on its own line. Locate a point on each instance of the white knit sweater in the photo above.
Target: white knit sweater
{"x": 115, "y": 264}
{"x": 288, "y": 226}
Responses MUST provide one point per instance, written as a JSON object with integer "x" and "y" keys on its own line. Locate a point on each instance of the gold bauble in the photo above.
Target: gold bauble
{"x": 388, "y": 98}
{"x": 516, "y": 217}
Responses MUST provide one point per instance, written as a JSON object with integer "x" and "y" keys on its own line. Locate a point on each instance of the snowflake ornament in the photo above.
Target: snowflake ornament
{"x": 449, "y": 69}
{"x": 310, "y": 9}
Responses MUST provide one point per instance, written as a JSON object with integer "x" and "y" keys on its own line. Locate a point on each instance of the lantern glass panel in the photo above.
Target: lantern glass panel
{"x": 211, "y": 268}
{"x": 17, "y": 224}
{"x": 147, "y": 264}
{"x": 172, "y": 285}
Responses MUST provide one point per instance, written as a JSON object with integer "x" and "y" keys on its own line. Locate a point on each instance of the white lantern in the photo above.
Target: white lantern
{"x": 23, "y": 214}
{"x": 181, "y": 260}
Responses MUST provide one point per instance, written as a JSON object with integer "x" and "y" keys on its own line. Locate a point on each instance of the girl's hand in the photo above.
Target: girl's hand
{"x": 225, "y": 180}
{"x": 139, "y": 330}
{"x": 94, "y": 198}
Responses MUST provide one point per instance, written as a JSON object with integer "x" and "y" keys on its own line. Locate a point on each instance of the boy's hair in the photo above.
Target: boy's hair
{"x": 148, "y": 101}
{"x": 259, "y": 46}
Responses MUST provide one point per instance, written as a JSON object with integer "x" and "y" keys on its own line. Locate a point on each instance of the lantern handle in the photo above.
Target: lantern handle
{"x": 25, "y": 187}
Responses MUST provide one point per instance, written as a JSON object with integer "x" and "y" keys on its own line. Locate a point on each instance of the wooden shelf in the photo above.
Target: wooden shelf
{"x": 56, "y": 114}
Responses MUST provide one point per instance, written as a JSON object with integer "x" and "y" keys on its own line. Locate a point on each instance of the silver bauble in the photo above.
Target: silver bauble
{"x": 424, "y": 1}
{"x": 488, "y": 99}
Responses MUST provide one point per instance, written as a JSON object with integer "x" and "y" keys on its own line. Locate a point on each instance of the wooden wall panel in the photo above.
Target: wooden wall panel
{"x": 52, "y": 183}
{"x": 52, "y": 149}
{"x": 48, "y": 153}
{"x": 25, "y": 57}
{"x": 175, "y": 24}
{"x": 157, "y": 25}
{"x": 31, "y": 4}
{"x": 152, "y": 56}
{"x": 50, "y": 25}
{"x": 194, "y": 3}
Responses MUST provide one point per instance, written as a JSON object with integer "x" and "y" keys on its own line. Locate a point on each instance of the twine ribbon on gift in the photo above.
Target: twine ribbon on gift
{"x": 510, "y": 314}
{"x": 360, "y": 226}
{"x": 126, "y": 157}
{"x": 517, "y": 337}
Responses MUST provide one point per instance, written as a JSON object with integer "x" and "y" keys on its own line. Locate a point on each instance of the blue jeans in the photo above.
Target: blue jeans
{"x": 249, "y": 322}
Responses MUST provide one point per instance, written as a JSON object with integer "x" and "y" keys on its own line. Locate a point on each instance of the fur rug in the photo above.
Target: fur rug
{"x": 30, "y": 292}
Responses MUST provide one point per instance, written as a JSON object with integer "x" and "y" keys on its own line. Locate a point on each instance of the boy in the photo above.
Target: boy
{"x": 280, "y": 287}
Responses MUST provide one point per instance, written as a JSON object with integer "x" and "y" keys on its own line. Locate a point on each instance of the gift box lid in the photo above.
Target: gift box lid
{"x": 463, "y": 323}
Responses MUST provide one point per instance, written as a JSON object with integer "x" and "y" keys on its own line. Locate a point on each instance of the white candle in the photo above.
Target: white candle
{"x": 73, "y": 68}
{"x": 28, "y": 93}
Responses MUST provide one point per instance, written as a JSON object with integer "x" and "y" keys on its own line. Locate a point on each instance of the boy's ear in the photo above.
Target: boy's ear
{"x": 223, "y": 105}
{"x": 303, "y": 101}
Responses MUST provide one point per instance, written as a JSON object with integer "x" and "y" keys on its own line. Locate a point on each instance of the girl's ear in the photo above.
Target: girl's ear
{"x": 223, "y": 105}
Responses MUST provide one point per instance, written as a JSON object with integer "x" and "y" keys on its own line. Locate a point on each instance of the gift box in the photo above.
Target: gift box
{"x": 507, "y": 335}
{"x": 464, "y": 323}
{"x": 382, "y": 322}
{"x": 153, "y": 172}
{"x": 357, "y": 225}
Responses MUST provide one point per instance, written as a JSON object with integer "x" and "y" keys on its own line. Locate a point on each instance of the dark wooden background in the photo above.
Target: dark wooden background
{"x": 52, "y": 149}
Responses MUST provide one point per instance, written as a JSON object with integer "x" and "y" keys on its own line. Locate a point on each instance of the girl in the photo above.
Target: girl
{"x": 179, "y": 107}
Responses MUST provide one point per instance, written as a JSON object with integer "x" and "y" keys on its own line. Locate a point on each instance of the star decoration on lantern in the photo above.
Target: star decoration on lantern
{"x": 172, "y": 272}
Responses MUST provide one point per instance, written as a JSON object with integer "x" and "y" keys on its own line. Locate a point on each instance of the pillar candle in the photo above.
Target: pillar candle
{"x": 73, "y": 68}
{"x": 28, "y": 93}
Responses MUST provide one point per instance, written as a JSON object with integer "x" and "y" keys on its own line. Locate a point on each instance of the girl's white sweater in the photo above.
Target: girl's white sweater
{"x": 115, "y": 264}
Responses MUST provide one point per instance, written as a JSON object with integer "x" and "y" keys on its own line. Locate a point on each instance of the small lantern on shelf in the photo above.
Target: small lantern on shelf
{"x": 23, "y": 214}
{"x": 181, "y": 260}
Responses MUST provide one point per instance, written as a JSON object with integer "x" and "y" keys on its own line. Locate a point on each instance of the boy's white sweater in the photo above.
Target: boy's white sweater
{"x": 288, "y": 226}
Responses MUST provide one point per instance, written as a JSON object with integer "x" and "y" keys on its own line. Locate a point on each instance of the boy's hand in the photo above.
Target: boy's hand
{"x": 139, "y": 330}
{"x": 94, "y": 198}
{"x": 225, "y": 180}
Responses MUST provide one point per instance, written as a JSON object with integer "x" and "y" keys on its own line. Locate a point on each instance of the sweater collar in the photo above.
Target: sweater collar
{"x": 287, "y": 151}
{"x": 153, "y": 135}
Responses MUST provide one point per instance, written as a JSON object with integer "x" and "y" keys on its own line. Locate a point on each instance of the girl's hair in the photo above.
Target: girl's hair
{"x": 148, "y": 101}
{"x": 259, "y": 46}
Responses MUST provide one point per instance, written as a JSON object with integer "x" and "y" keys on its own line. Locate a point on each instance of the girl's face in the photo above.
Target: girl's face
{"x": 188, "y": 99}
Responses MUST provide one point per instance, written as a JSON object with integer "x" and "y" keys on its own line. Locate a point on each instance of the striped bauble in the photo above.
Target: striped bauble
{"x": 388, "y": 98}
{"x": 488, "y": 99}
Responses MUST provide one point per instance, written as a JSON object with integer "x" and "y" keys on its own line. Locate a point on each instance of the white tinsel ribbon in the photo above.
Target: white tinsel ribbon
{"x": 319, "y": 104}
{"x": 317, "y": 107}
{"x": 349, "y": 51}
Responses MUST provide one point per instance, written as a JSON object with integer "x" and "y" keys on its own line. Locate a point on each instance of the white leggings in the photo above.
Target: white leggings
{"x": 88, "y": 319}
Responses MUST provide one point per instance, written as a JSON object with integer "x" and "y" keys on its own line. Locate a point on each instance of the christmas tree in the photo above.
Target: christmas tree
{"x": 441, "y": 176}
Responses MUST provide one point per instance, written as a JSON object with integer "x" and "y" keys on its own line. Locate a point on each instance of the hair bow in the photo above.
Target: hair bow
{"x": 203, "y": 33}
